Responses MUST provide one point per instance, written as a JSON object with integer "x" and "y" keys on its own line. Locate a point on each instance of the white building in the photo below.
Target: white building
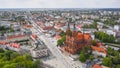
{"x": 117, "y": 27}
{"x": 111, "y": 32}
{"x": 39, "y": 53}
{"x": 108, "y": 31}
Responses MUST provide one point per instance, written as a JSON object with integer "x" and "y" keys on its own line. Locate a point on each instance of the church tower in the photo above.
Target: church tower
{"x": 68, "y": 29}
{"x": 74, "y": 30}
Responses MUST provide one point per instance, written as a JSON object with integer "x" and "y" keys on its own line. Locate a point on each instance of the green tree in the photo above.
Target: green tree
{"x": 70, "y": 20}
{"x": 97, "y": 20}
{"x": 21, "y": 65}
{"x": 104, "y": 37}
{"x": 94, "y": 42}
{"x": 109, "y": 51}
{"x": 91, "y": 57}
{"x": 12, "y": 65}
{"x": 107, "y": 61}
{"x": 7, "y": 54}
{"x": 116, "y": 60}
{"x": 118, "y": 66}
{"x": 63, "y": 33}
{"x": 82, "y": 57}
{"x": 38, "y": 64}
{"x": 1, "y": 50}
{"x": 59, "y": 42}
{"x": 14, "y": 55}
{"x": 116, "y": 53}
{"x": 110, "y": 22}
{"x": 28, "y": 57}
{"x": 11, "y": 59}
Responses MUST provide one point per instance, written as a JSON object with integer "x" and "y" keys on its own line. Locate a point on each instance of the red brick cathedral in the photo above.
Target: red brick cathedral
{"x": 75, "y": 40}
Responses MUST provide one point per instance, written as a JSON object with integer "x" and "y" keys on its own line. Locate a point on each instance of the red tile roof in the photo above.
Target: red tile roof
{"x": 28, "y": 26}
{"x": 34, "y": 36}
{"x": 96, "y": 66}
{"x": 3, "y": 43}
{"x": 47, "y": 28}
{"x": 99, "y": 49}
{"x": 15, "y": 36}
{"x": 57, "y": 36}
{"x": 86, "y": 36}
{"x": 15, "y": 45}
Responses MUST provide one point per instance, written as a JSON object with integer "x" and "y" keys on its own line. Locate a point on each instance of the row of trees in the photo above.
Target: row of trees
{"x": 94, "y": 25}
{"x": 104, "y": 37}
{"x": 4, "y": 29}
{"x": 112, "y": 59}
{"x": 60, "y": 42}
{"x": 11, "y": 59}
{"x": 85, "y": 54}
{"x": 110, "y": 22}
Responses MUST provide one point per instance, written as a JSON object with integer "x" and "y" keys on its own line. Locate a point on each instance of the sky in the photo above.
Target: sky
{"x": 59, "y": 3}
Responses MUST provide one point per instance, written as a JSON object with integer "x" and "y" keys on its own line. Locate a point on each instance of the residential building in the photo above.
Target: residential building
{"x": 99, "y": 49}
{"x": 117, "y": 27}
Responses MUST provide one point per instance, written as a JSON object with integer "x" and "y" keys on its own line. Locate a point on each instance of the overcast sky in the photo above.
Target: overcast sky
{"x": 59, "y": 3}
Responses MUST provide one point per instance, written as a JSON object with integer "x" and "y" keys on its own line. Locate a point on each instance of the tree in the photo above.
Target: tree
{"x": 63, "y": 33}
{"x": 59, "y": 42}
{"x": 20, "y": 19}
{"x": 7, "y": 54}
{"x": 116, "y": 53}
{"x": 11, "y": 59}
{"x": 107, "y": 62}
{"x": 70, "y": 20}
{"x": 91, "y": 57}
{"x": 1, "y": 50}
{"x": 85, "y": 54}
{"x": 97, "y": 20}
{"x": 116, "y": 60}
{"x": 104, "y": 37}
{"x": 14, "y": 55}
{"x": 38, "y": 64}
{"x": 85, "y": 49}
{"x": 20, "y": 65}
{"x": 28, "y": 57}
{"x": 110, "y": 22}
{"x": 94, "y": 42}
{"x": 109, "y": 51}
{"x": 12, "y": 65}
{"x": 82, "y": 57}
{"x": 118, "y": 66}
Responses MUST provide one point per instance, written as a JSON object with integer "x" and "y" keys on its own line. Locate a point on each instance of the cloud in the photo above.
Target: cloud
{"x": 59, "y": 4}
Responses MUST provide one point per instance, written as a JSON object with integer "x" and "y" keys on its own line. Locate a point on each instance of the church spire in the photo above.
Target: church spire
{"x": 68, "y": 25}
{"x": 74, "y": 30}
{"x": 68, "y": 32}
{"x": 74, "y": 27}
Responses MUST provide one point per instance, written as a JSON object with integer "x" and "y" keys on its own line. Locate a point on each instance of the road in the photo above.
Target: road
{"x": 55, "y": 51}
{"x": 61, "y": 61}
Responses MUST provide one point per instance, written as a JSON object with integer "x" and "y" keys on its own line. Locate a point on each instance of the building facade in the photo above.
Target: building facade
{"x": 76, "y": 40}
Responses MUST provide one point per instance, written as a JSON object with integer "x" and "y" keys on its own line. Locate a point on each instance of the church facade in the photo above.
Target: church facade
{"x": 76, "y": 40}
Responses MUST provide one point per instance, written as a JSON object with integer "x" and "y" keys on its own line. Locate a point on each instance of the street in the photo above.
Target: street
{"x": 60, "y": 61}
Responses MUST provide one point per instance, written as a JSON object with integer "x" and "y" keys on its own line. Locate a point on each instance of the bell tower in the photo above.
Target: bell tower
{"x": 74, "y": 30}
{"x": 68, "y": 29}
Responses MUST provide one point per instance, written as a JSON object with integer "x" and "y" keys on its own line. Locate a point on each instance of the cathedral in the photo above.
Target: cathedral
{"x": 76, "y": 40}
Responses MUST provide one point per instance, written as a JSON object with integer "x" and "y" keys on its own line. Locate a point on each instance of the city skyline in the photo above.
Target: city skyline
{"x": 59, "y": 4}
